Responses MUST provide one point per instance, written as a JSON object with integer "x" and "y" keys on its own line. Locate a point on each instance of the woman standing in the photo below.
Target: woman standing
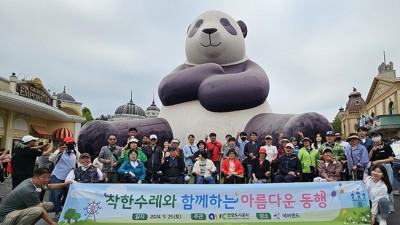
{"x": 379, "y": 187}
{"x": 308, "y": 157}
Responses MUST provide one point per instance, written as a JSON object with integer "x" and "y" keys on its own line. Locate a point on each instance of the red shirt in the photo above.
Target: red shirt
{"x": 215, "y": 149}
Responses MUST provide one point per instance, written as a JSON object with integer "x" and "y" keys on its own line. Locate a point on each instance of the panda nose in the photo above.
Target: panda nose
{"x": 210, "y": 30}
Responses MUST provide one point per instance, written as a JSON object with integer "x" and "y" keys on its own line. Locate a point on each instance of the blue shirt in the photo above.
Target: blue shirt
{"x": 66, "y": 163}
{"x": 241, "y": 145}
{"x": 187, "y": 152}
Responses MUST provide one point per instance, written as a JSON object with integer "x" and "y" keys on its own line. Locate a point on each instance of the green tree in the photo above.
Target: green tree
{"x": 76, "y": 217}
{"x": 337, "y": 125}
{"x": 87, "y": 114}
{"x": 103, "y": 117}
{"x": 69, "y": 215}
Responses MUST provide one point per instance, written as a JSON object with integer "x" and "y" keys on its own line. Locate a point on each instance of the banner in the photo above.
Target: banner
{"x": 301, "y": 203}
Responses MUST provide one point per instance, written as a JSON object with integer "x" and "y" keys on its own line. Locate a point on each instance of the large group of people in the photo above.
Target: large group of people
{"x": 239, "y": 160}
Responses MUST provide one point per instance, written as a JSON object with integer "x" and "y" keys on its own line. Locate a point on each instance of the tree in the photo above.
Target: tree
{"x": 103, "y": 117}
{"x": 69, "y": 215}
{"x": 337, "y": 125}
{"x": 76, "y": 217}
{"x": 87, "y": 114}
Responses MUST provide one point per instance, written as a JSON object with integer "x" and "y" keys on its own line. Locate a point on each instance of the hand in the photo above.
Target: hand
{"x": 255, "y": 179}
{"x": 267, "y": 173}
{"x": 114, "y": 164}
{"x": 354, "y": 168}
{"x": 139, "y": 182}
{"x": 291, "y": 173}
{"x": 132, "y": 174}
{"x": 68, "y": 182}
{"x": 104, "y": 176}
{"x": 373, "y": 219}
{"x": 108, "y": 161}
{"x": 238, "y": 133}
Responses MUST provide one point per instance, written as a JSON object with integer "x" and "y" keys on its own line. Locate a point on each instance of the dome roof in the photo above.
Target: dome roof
{"x": 130, "y": 108}
{"x": 153, "y": 107}
{"x": 355, "y": 103}
{"x": 65, "y": 97}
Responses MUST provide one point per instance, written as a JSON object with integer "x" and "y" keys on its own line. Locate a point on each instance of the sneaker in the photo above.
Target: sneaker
{"x": 396, "y": 192}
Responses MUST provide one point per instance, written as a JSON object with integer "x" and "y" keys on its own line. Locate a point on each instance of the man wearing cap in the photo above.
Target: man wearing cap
{"x": 364, "y": 139}
{"x": 154, "y": 155}
{"x": 189, "y": 151}
{"x": 175, "y": 143}
{"x": 24, "y": 158}
{"x": 357, "y": 158}
{"x": 309, "y": 160}
{"x": 329, "y": 170}
{"x": 132, "y": 144}
{"x": 86, "y": 172}
{"x": 173, "y": 168}
{"x": 109, "y": 157}
{"x": 282, "y": 142}
{"x": 232, "y": 169}
{"x": 64, "y": 159}
{"x": 289, "y": 166}
{"x": 338, "y": 152}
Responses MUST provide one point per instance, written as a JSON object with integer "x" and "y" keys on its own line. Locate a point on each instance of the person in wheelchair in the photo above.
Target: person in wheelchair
{"x": 232, "y": 169}
{"x": 133, "y": 170}
{"x": 204, "y": 169}
{"x": 261, "y": 168}
{"x": 289, "y": 166}
{"x": 173, "y": 170}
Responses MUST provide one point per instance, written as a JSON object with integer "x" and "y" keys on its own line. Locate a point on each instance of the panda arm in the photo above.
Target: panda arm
{"x": 182, "y": 84}
{"x": 245, "y": 88}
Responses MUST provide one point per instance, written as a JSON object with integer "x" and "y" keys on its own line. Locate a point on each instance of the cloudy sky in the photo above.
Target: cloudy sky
{"x": 314, "y": 52}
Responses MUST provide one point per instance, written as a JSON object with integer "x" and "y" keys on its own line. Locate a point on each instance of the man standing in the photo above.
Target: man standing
{"x": 109, "y": 157}
{"x": 64, "y": 159}
{"x": 338, "y": 152}
{"x": 24, "y": 158}
{"x": 23, "y": 206}
{"x": 214, "y": 148}
{"x": 364, "y": 139}
{"x": 251, "y": 152}
{"x": 154, "y": 155}
{"x": 188, "y": 153}
{"x": 241, "y": 142}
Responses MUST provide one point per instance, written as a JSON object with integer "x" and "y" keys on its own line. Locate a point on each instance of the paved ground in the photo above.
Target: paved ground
{"x": 6, "y": 188}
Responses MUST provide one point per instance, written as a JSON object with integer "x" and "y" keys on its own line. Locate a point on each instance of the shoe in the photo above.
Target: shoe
{"x": 396, "y": 192}
{"x": 57, "y": 216}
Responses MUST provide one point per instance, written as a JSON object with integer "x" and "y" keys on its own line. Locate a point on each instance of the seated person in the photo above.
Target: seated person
{"x": 133, "y": 170}
{"x": 261, "y": 168}
{"x": 329, "y": 169}
{"x": 289, "y": 166}
{"x": 203, "y": 169}
{"x": 22, "y": 205}
{"x": 232, "y": 169}
{"x": 173, "y": 169}
{"x": 86, "y": 172}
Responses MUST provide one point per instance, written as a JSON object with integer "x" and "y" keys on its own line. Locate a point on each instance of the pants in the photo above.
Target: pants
{"x": 260, "y": 181}
{"x": 284, "y": 179}
{"x": 56, "y": 194}
{"x": 201, "y": 180}
{"x": 396, "y": 170}
{"x": 28, "y": 216}
{"x": 249, "y": 171}
{"x": 234, "y": 180}
{"x": 112, "y": 177}
{"x": 218, "y": 166}
{"x": 307, "y": 177}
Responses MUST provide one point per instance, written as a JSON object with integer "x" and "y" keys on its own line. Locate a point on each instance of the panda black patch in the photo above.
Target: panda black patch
{"x": 228, "y": 26}
{"x": 195, "y": 28}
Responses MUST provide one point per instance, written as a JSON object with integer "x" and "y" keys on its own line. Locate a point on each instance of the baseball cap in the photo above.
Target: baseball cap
{"x": 290, "y": 145}
{"x": 175, "y": 141}
{"x": 83, "y": 155}
{"x": 306, "y": 139}
{"x": 268, "y": 137}
{"x": 330, "y": 133}
{"x": 283, "y": 139}
{"x": 327, "y": 149}
{"x": 153, "y": 136}
{"x": 69, "y": 140}
{"x": 133, "y": 140}
{"x": 29, "y": 138}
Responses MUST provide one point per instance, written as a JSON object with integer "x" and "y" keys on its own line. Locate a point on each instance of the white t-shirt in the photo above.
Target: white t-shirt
{"x": 272, "y": 151}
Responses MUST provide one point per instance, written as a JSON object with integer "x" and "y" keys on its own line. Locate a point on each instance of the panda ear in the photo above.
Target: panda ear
{"x": 188, "y": 29}
{"x": 243, "y": 27}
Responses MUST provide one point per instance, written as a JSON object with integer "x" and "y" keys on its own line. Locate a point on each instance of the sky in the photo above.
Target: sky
{"x": 314, "y": 52}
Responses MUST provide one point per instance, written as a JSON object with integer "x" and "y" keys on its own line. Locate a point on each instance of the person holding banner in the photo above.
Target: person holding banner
{"x": 232, "y": 169}
{"x": 133, "y": 170}
{"x": 204, "y": 169}
{"x": 329, "y": 169}
{"x": 173, "y": 170}
{"x": 289, "y": 166}
{"x": 379, "y": 187}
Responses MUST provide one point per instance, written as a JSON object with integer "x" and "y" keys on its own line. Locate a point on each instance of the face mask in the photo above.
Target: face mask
{"x": 338, "y": 139}
{"x": 377, "y": 139}
{"x": 243, "y": 138}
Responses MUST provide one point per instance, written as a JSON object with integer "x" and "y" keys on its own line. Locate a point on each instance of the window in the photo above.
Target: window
{"x": 391, "y": 108}
{"x": 356, "y": 102}
{"x": 372, "y": 114}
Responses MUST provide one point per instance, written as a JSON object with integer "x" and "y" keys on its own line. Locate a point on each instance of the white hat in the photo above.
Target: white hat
{"x": 29, "y": 138}
{"x": 175, "y": 141}
{"x": 290, "y": 145}
{"x": 153, "y": 136}
{"x": 133, "y": 140}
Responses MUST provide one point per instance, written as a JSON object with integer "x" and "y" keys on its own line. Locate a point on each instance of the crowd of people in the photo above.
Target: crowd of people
{"x": 239, "y": 160}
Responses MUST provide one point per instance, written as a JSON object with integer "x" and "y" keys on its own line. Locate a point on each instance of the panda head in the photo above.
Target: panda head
{"x": 215, "y": 37}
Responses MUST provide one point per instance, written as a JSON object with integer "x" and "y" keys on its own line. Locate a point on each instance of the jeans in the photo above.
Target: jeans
{"x": 56, "y": 194}
{"x": 201, "y": 180}
{"x": 396, "y": 170}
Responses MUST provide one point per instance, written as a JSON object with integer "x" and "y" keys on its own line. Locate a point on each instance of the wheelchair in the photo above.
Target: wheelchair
{"x": 162, "y": 179}
{"x": 213, "y": 176}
